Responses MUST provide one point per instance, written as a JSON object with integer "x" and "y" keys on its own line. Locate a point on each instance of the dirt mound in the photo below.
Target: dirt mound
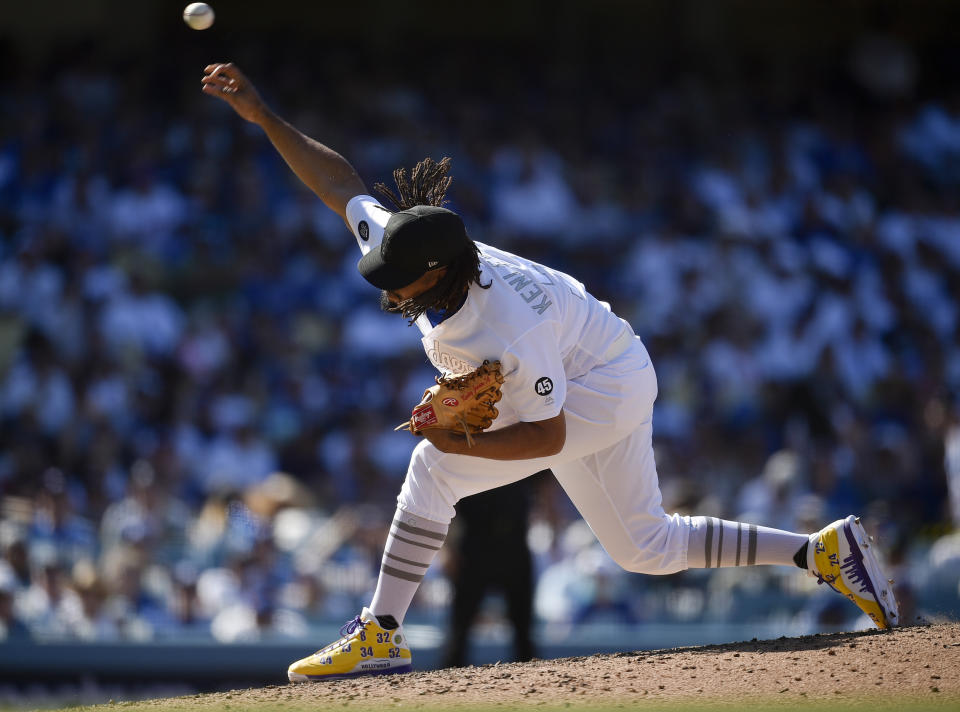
{"x": 921, "y": 662}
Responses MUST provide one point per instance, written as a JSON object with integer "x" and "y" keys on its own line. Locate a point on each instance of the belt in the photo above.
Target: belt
{"x": 619, "y": 345}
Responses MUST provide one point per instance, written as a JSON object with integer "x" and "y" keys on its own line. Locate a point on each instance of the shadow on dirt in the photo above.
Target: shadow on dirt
{"x": 819, "y": 641}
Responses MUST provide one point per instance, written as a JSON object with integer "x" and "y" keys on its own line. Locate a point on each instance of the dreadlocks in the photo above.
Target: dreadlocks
{"x": 427, "y": 185}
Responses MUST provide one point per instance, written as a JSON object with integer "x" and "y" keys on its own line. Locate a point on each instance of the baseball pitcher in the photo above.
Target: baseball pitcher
{"x": 535, "y": 373}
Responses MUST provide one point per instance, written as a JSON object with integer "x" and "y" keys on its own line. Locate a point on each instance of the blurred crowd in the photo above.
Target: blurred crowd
{"x": 198, "y": 392}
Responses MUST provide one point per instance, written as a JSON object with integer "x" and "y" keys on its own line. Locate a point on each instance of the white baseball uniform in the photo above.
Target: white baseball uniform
{"x": 560, "y": 349}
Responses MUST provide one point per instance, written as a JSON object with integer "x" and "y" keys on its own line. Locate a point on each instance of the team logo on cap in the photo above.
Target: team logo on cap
{"x": 364, "y": 230}
{"x": 543, "y": 386}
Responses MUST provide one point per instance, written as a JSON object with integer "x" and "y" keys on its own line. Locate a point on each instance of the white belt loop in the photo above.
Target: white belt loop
{"x": 619, "y": 345}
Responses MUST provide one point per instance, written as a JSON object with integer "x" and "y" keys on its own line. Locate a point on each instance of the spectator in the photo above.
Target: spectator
{"x": 169, "y": 339}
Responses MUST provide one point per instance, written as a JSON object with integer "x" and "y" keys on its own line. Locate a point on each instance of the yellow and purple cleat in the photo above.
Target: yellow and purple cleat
{"x": 843, "y": 558}
{"x": 365, "y": 648}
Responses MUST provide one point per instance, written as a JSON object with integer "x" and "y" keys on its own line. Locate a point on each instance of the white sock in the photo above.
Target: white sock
{"x": 718, "y": 543}
{"x": 411, "y": 546}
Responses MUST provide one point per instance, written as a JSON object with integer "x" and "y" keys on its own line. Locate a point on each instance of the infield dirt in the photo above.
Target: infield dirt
{"x": 913, "y": 667}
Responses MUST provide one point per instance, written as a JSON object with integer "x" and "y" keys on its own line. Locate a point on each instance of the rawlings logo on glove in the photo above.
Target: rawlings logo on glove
{"x": 464, "y": 404}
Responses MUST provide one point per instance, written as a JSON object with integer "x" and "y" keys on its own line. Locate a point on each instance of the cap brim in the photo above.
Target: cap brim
{"x": 382, "y": 275}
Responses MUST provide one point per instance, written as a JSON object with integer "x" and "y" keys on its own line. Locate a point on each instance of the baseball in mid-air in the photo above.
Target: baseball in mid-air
{"x": 198, "y": 15}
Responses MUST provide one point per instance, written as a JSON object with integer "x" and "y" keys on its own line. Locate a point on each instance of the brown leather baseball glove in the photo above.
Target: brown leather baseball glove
{"x": 464, "y": 404}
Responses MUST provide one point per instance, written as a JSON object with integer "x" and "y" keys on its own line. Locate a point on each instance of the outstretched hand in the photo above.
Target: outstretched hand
{"x": 226, "y": 82}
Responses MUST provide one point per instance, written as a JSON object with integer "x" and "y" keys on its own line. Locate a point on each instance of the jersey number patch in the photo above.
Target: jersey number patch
{"x": 543, "y": 386}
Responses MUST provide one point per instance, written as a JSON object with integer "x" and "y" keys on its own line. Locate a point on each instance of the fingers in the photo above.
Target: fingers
{"x": 221, "y": 67}
{"x": 220, "y": 83}
{"x": 225, "y": 76}
{"x": 221, "y": 80}
{"x": 228, "y": 83}
{"x": 216, "y": 80}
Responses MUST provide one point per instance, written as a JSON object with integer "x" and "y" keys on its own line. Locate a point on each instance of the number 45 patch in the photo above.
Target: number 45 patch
{"x": 543, "y": 386}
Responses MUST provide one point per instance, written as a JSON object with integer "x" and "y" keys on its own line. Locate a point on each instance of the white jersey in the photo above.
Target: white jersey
{"x": 561, "y": 350}
{"x": 541, "y": 324}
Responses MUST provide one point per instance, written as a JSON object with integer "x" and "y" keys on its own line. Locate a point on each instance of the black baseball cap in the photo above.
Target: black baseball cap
{"x": 415, "y": 241}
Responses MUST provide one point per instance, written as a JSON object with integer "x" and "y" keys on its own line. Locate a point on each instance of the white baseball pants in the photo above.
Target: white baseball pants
{"x": 606, "y": 467}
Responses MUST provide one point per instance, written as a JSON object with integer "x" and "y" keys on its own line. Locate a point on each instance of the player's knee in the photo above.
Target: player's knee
{"x": 659, "y": 549}
{"x": 420, "y": 474}
{"x": 419, "y": 461}
{"x": 423, "y": 492}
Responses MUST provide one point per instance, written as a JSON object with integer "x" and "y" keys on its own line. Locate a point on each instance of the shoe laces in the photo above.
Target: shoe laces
{"x": 828, "y": 579}
{"x": 346, "y": 630}
{"x": 350, "y": 627}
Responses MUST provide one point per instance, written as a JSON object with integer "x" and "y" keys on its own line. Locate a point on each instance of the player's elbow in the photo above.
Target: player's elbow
{"x": 552, "y": 435}
{"x": 556, "y": 443}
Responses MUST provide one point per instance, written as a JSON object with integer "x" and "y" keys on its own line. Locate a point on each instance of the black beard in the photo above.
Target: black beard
{"x": 386, "y": 305}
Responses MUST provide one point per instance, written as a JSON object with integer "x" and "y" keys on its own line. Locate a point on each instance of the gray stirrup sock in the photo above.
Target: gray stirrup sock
{"x": 411, "y": 546}
{"x": 716, "y": 543}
